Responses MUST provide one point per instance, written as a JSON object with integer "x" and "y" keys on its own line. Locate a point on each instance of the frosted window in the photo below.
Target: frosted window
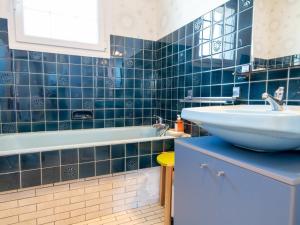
{"x": 67, "y": 20}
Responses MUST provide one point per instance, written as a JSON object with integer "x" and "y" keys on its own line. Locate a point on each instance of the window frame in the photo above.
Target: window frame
{"x": 21, "y": 37}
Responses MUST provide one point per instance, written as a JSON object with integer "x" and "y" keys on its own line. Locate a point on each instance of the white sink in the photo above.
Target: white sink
{"x": 254, "y": 127}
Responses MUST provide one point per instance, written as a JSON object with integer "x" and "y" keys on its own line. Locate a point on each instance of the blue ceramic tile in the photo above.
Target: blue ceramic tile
{"x": 3, "y": 24}
{"x": 23, "y": 116}
{"x": 3, "y": 38}
{"x": 35, "y": 67}
{"x": 145, "y": 148}
{"x": 145, "y": 162}
{"x": 102, "y": 167}
{"x": 20, "y": 54}
{"x": 51, "y": 175}
{"x": 86, "y": 154}
{"x": 278, "y": 74}
{"x": 257, "y": 76}
{"x": 102, "y": 152}
{"x": 50, "y": 80}
{"x": 245, "y": 19}
{"x": 35, "y": 56}
{"x": 62, "y": 58}
{"x": 9, "y": 181}
{"x": 243, "y": 56}
{"x": 30, "y": 161}
{"x": 19, "y": 66}
{"x": 24, "y": 127}
{"x": 231, "y": 8}
{"x": 169, "y": 145}
{"x": 216, "y": 77}
{"x": 22, "y": 91}
{"x": 118, "y": 165}
{"x": 49, "y": 57}
{"x": 69, "y": 172}
{"x": 132, "y": 163}
{"x": 132, "y": 149}
{"x": 30, "y": 178}
{"x": 37, "y": 116}
{"x": 9, "y": 128}
{"x": 9, "y": 164}
{"x": 50, "y": 159}
{"x": 245, "y": 4}
{"x": 75, "y": 59}
{"x": 294, "y": 92}
{"x": 257, "y": 89}
{"x": 8, "y": 116}
{"x": 38, "y": 126}
{"x": 69, "y": 156}
{"x": 87, "y": 170}
{"x": 117, "y": 151}
{"x": 295, "y": 72}
{"x": 6, "y": 78}
{"x": 245, "y": 37}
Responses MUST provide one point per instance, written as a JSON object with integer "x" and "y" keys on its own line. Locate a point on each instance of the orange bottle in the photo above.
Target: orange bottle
{"x": 179, "y": 124}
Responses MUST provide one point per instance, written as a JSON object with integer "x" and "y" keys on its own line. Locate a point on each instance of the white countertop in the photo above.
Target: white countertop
{"x": 281, "y": 166}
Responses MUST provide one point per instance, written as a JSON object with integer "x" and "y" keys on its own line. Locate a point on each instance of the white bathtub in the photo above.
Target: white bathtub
{"x": 45, "y": 141}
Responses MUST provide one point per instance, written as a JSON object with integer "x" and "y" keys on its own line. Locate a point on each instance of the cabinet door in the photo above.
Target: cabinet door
{"x": 195, "y": 188}
{"x": 247, "y": 198}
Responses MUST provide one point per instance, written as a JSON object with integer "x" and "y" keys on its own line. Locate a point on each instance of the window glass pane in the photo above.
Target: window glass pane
{"x": 68, "y": 20}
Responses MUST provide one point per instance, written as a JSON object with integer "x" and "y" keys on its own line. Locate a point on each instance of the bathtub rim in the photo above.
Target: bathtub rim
{"x": 84, "y": 145}
{"x": 71, "y": 131}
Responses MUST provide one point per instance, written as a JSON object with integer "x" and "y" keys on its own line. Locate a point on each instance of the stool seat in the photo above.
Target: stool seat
{"x": 166, "y": 159}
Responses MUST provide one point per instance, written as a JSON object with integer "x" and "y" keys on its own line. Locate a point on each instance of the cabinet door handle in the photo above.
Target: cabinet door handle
{"x": 221, "y": 173}
{"x": 203, "y": 165}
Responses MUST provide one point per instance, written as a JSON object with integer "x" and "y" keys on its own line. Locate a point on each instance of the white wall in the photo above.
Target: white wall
{"x": 173, "y": 14}
{"x": 4, "y": 8}
{"x": 276, "y": 30}
{"x": 134, "y": 18}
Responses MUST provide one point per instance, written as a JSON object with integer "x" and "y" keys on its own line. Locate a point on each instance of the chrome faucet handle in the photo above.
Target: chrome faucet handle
{"x": 279, "y": 93}
{"x": 275, "y": 101}
{"x": 159, "y": 119}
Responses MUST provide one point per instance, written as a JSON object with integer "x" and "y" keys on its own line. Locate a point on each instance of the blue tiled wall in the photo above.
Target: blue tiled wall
{"x": 39, "y": 91}
{"x": 32, "y": 169}
{"x": 203, "y": 55}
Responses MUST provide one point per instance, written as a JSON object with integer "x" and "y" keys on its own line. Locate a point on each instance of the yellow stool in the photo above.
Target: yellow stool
{"x": 167, "y": 162}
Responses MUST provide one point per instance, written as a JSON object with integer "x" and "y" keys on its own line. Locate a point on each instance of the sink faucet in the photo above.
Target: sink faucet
{"x": 276, "y": 102}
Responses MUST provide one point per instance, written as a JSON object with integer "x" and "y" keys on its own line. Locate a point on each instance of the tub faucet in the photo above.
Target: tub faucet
{"x": 276, "y": 102}
{"x": 159, "y": 123}
{"x": 160, "y": 126}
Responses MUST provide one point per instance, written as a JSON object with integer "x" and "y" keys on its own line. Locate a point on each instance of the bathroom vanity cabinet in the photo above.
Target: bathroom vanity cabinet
{"x": 218, "y": 184}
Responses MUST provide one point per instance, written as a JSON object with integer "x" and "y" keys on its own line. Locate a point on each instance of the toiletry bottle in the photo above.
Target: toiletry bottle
{"x": 179, "y": 124}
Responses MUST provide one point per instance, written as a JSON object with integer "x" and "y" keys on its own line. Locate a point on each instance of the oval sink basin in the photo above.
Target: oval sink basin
{"x": 254, "y": 127}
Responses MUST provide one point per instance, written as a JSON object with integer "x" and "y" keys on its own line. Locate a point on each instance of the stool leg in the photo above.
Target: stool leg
{"x": 168, "y": 195}
{"x": 162, "y": 185}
